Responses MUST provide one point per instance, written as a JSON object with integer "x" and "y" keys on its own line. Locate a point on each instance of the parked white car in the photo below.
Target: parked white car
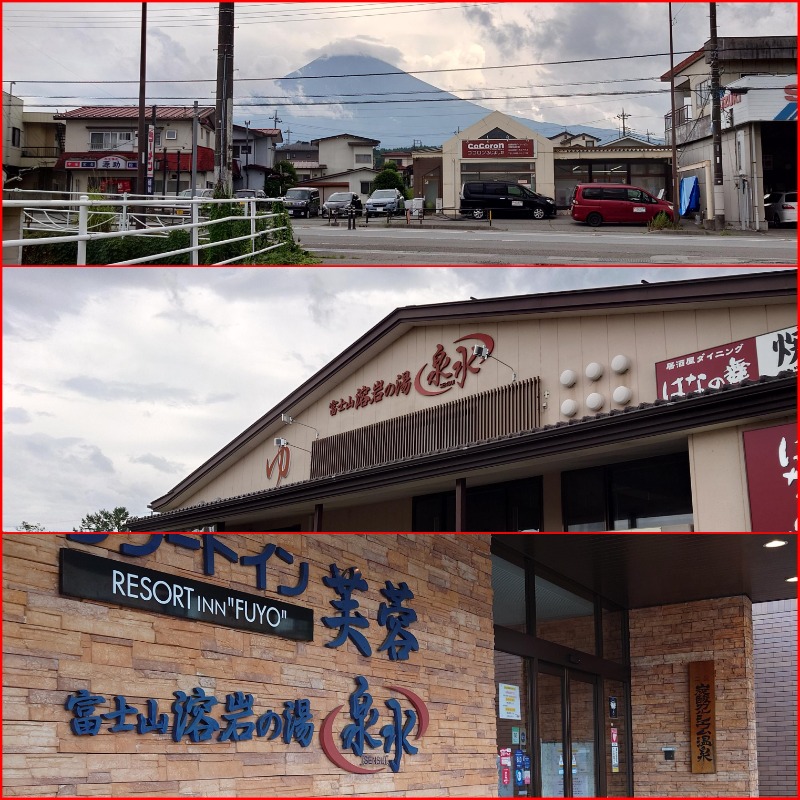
{"x": 781, "y": 207}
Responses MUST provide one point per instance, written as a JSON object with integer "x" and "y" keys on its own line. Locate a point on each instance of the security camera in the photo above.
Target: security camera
{"x": 280, "y": 442}
{"x": 480, "y": 350}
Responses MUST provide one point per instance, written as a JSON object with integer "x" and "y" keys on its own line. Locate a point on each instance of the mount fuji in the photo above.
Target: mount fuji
{"x": 397, "y": 109}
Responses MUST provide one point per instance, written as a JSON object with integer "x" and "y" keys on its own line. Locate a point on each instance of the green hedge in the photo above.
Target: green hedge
{"x": 109, "y": 251}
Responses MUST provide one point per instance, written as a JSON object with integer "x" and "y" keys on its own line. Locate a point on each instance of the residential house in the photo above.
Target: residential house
{"x": 568, "y": 139}
{"x": 304, "y": 157}
{"x": 102, "y": 144}
{"x": 254, "y": 149}
{"x": 758, "y": 80}
{"x": 32, "y": 143}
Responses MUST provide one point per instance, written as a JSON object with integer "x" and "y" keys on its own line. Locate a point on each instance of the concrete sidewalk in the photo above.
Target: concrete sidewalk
{"x": 562, "y": 223}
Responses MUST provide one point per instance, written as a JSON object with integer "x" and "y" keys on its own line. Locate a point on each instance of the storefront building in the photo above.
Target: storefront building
{"x": 570, "y": 665}
{"x": 499, "y": 148}
{"x": 667, "y": 407}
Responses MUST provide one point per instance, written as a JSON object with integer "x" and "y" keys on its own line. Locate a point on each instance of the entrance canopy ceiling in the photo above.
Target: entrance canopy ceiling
{"x": 641, "y": 569}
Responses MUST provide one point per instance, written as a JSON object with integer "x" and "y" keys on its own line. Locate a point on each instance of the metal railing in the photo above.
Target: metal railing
{"x": 41, "y": 152}
{"x": 84, "y": 219}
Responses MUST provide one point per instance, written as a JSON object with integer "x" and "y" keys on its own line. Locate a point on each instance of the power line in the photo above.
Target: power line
{"x": 367, "y": 94}
{"x": 382, "y": 74}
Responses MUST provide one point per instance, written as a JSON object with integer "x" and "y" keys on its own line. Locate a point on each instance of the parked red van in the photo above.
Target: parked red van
{"x": 596, "y": 203}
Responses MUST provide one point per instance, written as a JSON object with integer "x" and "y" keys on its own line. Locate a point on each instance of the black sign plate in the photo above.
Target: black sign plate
{"x": 93, "y": 578}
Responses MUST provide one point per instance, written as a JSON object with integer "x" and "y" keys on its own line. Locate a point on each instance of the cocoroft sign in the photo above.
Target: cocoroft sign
{"x": 497, "y": 148}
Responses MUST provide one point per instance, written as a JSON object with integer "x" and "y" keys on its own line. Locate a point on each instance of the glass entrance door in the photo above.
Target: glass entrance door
{"x": 567, "y": 732}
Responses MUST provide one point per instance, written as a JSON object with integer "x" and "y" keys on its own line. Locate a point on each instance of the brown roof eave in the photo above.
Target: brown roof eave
{"x": 769, "y": 397}
{"x": 750, "y": 286}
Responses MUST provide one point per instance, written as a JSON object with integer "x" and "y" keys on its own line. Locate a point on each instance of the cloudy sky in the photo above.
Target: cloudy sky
{"x": 117, "y": 382}
{"x": 97, "y": 44}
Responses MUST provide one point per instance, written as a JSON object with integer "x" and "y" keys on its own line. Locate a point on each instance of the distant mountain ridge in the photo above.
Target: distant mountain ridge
{"x": 409, "y": 117}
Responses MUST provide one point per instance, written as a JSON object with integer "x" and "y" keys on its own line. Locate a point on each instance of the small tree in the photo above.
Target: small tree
{"x": 105, "y": 520}
{"x": 280, "y": 178}
{"x": 389, "y": 178}
{"x": 30, "y": 526}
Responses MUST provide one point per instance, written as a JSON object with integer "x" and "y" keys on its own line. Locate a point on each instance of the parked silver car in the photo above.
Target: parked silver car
{"x": 342, "y": 203}
{"x": 385, "y": 201}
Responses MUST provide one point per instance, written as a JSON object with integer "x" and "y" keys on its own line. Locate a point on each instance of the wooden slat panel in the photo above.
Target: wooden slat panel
{"x": 496, "y": 412}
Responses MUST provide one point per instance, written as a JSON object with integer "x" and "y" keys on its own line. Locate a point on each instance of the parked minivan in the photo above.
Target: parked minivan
{"x": 596, "y": 203}
{"x": 504, "y": 197}
{"x": 302, "y": 201}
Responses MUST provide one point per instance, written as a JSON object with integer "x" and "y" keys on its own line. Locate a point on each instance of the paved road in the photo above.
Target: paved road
{"x": 558, "y": 241}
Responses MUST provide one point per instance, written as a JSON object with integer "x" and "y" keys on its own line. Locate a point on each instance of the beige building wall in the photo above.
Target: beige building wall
{"x": 54, "y": 646}
{"x": 664, "y": 641}
{"x": 535, "y": 347}
{"x": 12, "y": 118}
{"x": 339, "y": 155}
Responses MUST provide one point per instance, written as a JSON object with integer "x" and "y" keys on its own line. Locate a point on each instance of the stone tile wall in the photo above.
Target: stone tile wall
{"x": 54, "y": 646}
{"x": 664, "y": 640}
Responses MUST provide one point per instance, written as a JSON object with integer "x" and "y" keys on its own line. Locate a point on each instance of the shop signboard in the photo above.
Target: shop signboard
{"x": 728, "y": 364}
{"x": 497, "y": 148}
{"x": 702, "y": 717}
{"x": 191, "y": 718}
{"x": 446, "y": 371}
{"x": 76, "y": 164}
{"x": 91, "y": 577}
{"x": 759, "y": 98}
{"x": 770, "y": 456}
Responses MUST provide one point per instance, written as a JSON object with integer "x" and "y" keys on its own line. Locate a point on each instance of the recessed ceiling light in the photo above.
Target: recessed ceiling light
{"x": 792, "y": 580}
{"x": 776, "y": 543}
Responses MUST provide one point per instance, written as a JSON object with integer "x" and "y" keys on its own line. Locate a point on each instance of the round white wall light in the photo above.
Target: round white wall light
{"x": 620, "y": 364}
{"x": 595, "y": 401}
{"x": 622, "y": 395}
{"x": 594, "y": 371}
{"x": 569, "y": 408}
{"x": 568, "y": 377}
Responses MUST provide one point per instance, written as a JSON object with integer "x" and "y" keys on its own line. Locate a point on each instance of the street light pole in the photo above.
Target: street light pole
{"x": 247, "y": 154}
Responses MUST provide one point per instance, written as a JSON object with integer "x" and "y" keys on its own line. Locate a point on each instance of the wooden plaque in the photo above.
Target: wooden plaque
{"x": 702, "y": 719}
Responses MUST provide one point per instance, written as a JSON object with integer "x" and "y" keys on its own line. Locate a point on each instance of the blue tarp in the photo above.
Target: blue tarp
{"x": 690, "y": 195}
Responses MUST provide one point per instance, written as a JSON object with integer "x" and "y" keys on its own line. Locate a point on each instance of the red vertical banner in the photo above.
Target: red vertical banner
{"x": 770, "y": 456}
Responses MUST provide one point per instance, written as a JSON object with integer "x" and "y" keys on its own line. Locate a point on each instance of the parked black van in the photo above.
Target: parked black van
{"x": 478, "y": 198}
{"x": 302, "y": 202}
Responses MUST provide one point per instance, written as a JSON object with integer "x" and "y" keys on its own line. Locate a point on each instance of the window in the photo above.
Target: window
{"x": 366, "y": 187}
{"x": 363, "y": 158}
{"x": 172, "y": 135}
{"x": 650, "y": 493}
{"x": 512, "y": 506}
{"x": 111, "y": 140}
{"x": 16, "y": 137}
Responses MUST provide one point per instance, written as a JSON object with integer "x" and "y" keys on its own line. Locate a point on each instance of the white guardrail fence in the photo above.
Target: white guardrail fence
{"x": 83, "y": 219}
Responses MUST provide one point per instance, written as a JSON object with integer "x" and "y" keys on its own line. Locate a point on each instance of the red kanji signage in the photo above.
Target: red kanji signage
{"x": 440, "y": 375}
{"x": 728, "y": 364}
{"x": 770, "y": 456}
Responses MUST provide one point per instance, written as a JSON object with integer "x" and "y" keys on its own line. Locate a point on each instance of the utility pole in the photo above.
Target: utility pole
{"x": 623, "y": 116}
{"x": 141, "y": 166}
{"x": 223, "y": 154}
{"x": 716, "y": 123}
{"x": 275, "y": 119}
{"x": 676, "y": 198}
